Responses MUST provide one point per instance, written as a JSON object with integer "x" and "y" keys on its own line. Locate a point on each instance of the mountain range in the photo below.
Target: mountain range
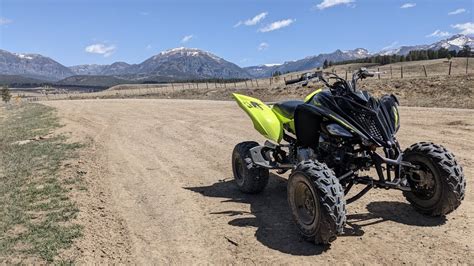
{"x": 188, "y": 63}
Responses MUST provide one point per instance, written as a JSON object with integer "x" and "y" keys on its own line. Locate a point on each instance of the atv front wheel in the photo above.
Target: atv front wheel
{"x": 248, "y": 177}
{"x": 317, "y": 202}
{"x": 438, "y": 185}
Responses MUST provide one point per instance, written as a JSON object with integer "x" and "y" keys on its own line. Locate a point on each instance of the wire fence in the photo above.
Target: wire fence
{"x": 405, "y": 70}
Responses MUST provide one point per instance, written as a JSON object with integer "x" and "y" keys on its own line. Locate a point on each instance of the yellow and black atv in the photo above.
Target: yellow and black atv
{"x": 328, "y": 141}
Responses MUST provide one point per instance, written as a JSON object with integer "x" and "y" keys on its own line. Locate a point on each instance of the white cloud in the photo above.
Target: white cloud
{"x": 330, "y": 3}
{"x": 5, "y": 21}
{"x": 408, "y": 5}
{"x": 457, "y": 11}
{"x": 187, "y": 38}
{"x": 438, "y": 33}
{"x": 144, "y": 13}
{"x": 465, "y": 28}
{"x": 263, "y": 46}
{"x": 148, "y": 47}
{"x": 100, "y": 48}
{"x": 252, "y": 21}
{"x": 277, "y": 25}
{"x": 390, "y": 46}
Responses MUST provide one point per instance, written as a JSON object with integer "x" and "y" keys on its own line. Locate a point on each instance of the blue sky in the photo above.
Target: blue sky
{"x": 244, "y": 32}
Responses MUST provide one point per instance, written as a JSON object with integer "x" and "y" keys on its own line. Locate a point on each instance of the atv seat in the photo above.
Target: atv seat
{"x": 287, "y": 108}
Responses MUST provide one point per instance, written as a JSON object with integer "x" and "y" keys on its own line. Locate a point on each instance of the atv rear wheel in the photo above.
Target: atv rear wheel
{"x": 438, "y": 185}
{"x": 317, "y": 202}
{"x": 248, "y": 177}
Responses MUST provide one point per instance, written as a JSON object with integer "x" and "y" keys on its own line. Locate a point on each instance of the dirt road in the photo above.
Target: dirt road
{"x": 164, "y": 166}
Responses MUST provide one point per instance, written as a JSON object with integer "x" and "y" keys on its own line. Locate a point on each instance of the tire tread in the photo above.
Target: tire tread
{"x": 451, "y": 173}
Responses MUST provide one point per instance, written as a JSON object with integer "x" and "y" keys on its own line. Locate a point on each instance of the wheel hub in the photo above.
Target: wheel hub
{"x": 305, "y": 204}
{"x": 423, "y": 181}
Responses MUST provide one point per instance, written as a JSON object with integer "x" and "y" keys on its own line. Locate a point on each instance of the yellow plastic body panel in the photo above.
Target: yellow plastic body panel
{"x": 263, "y": 118}
{"x": 285, "y": 121}
{"x": 309, "y": 96}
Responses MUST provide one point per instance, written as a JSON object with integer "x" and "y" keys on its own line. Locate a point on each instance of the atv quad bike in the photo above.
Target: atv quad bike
{"x": 328, "y": 142}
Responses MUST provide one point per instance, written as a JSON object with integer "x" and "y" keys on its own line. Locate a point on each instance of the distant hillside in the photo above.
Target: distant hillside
{"x": 454, "y": 43}
{"x": 19, "y": 80}
{"x": 117, "y": 68}
{"x": 190, "y": 64}
{"x": 309, "y": 62}
{"x": 95, "y": 81}
{"x": 32, "y": 65}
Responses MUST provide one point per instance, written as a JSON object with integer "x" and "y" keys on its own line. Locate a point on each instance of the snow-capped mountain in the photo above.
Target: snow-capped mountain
{"x": 189, "y": 63}
{"x": 32, "y": 65}
{"x": 454, "y": 43}
{"x": 309, "y": 62}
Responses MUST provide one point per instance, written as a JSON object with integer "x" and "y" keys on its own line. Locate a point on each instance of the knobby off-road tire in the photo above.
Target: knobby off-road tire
{"x": 320, "y": 190}
{"x": 449, "y": 181}
{"x": 249, "y": 180}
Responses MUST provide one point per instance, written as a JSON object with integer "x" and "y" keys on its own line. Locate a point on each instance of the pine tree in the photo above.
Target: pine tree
{"x": 465, "y": 52}
{"x": 325, "y": 64}
{"x": 6, "y": 95}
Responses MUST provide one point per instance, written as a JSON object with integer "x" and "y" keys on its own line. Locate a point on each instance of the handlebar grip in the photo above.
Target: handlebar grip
{"x": 368, "y": 74}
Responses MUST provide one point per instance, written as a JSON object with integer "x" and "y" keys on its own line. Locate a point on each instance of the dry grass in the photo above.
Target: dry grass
{"x": 35, "y": 209}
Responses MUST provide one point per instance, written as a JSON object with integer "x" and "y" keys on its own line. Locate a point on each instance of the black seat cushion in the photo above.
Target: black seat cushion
{"x": 287, "y": 108}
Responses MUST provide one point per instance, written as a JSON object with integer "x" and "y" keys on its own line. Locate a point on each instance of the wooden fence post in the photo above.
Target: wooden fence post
{"x": 256, "y": 82}
{"x": 378, "y": 72}
{"x": 467, "y": 64}
{"x": 391, "y": 72}
{"x": 424, "y": 69}
{"x": 207, "y": 85}
{"x": 449, "y": 71}
{"x": 401, "y": 71}
{"x": 246, "y": 86}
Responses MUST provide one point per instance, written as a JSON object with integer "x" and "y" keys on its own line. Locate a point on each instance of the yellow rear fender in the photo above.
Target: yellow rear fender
{"x": 262, "y": 116}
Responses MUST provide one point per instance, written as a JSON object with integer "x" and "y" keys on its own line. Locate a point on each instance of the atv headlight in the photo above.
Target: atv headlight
{"x": 337, "y": 130}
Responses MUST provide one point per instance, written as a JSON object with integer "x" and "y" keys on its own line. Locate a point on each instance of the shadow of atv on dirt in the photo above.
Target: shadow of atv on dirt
{"x": 275, "y": 227}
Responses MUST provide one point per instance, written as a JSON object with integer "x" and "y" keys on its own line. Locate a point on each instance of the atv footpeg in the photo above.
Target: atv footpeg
{"x": 259, "y": 156}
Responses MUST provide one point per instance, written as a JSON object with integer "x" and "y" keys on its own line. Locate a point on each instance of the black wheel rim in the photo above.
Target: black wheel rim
{"x": 305, "y": 204}
{"x": 423, "y": 182}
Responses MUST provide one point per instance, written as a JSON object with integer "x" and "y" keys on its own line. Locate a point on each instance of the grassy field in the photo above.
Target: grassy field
{"x": 37, "y": 214}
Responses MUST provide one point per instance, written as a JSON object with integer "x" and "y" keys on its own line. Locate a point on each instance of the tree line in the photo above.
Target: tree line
{"x": 416, "y": 55}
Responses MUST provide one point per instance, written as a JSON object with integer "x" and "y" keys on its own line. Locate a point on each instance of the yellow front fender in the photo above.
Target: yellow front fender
{"x": 263, "y": 118}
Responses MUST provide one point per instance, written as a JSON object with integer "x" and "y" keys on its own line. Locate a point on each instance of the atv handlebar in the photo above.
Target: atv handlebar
{"x": 346, "y": 86}
{"x": 305, "y": 78}
{"x": 292, "y": 81}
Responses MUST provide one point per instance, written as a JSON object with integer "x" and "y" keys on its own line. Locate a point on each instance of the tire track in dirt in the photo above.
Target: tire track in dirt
{"x": 168, "y": 170}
